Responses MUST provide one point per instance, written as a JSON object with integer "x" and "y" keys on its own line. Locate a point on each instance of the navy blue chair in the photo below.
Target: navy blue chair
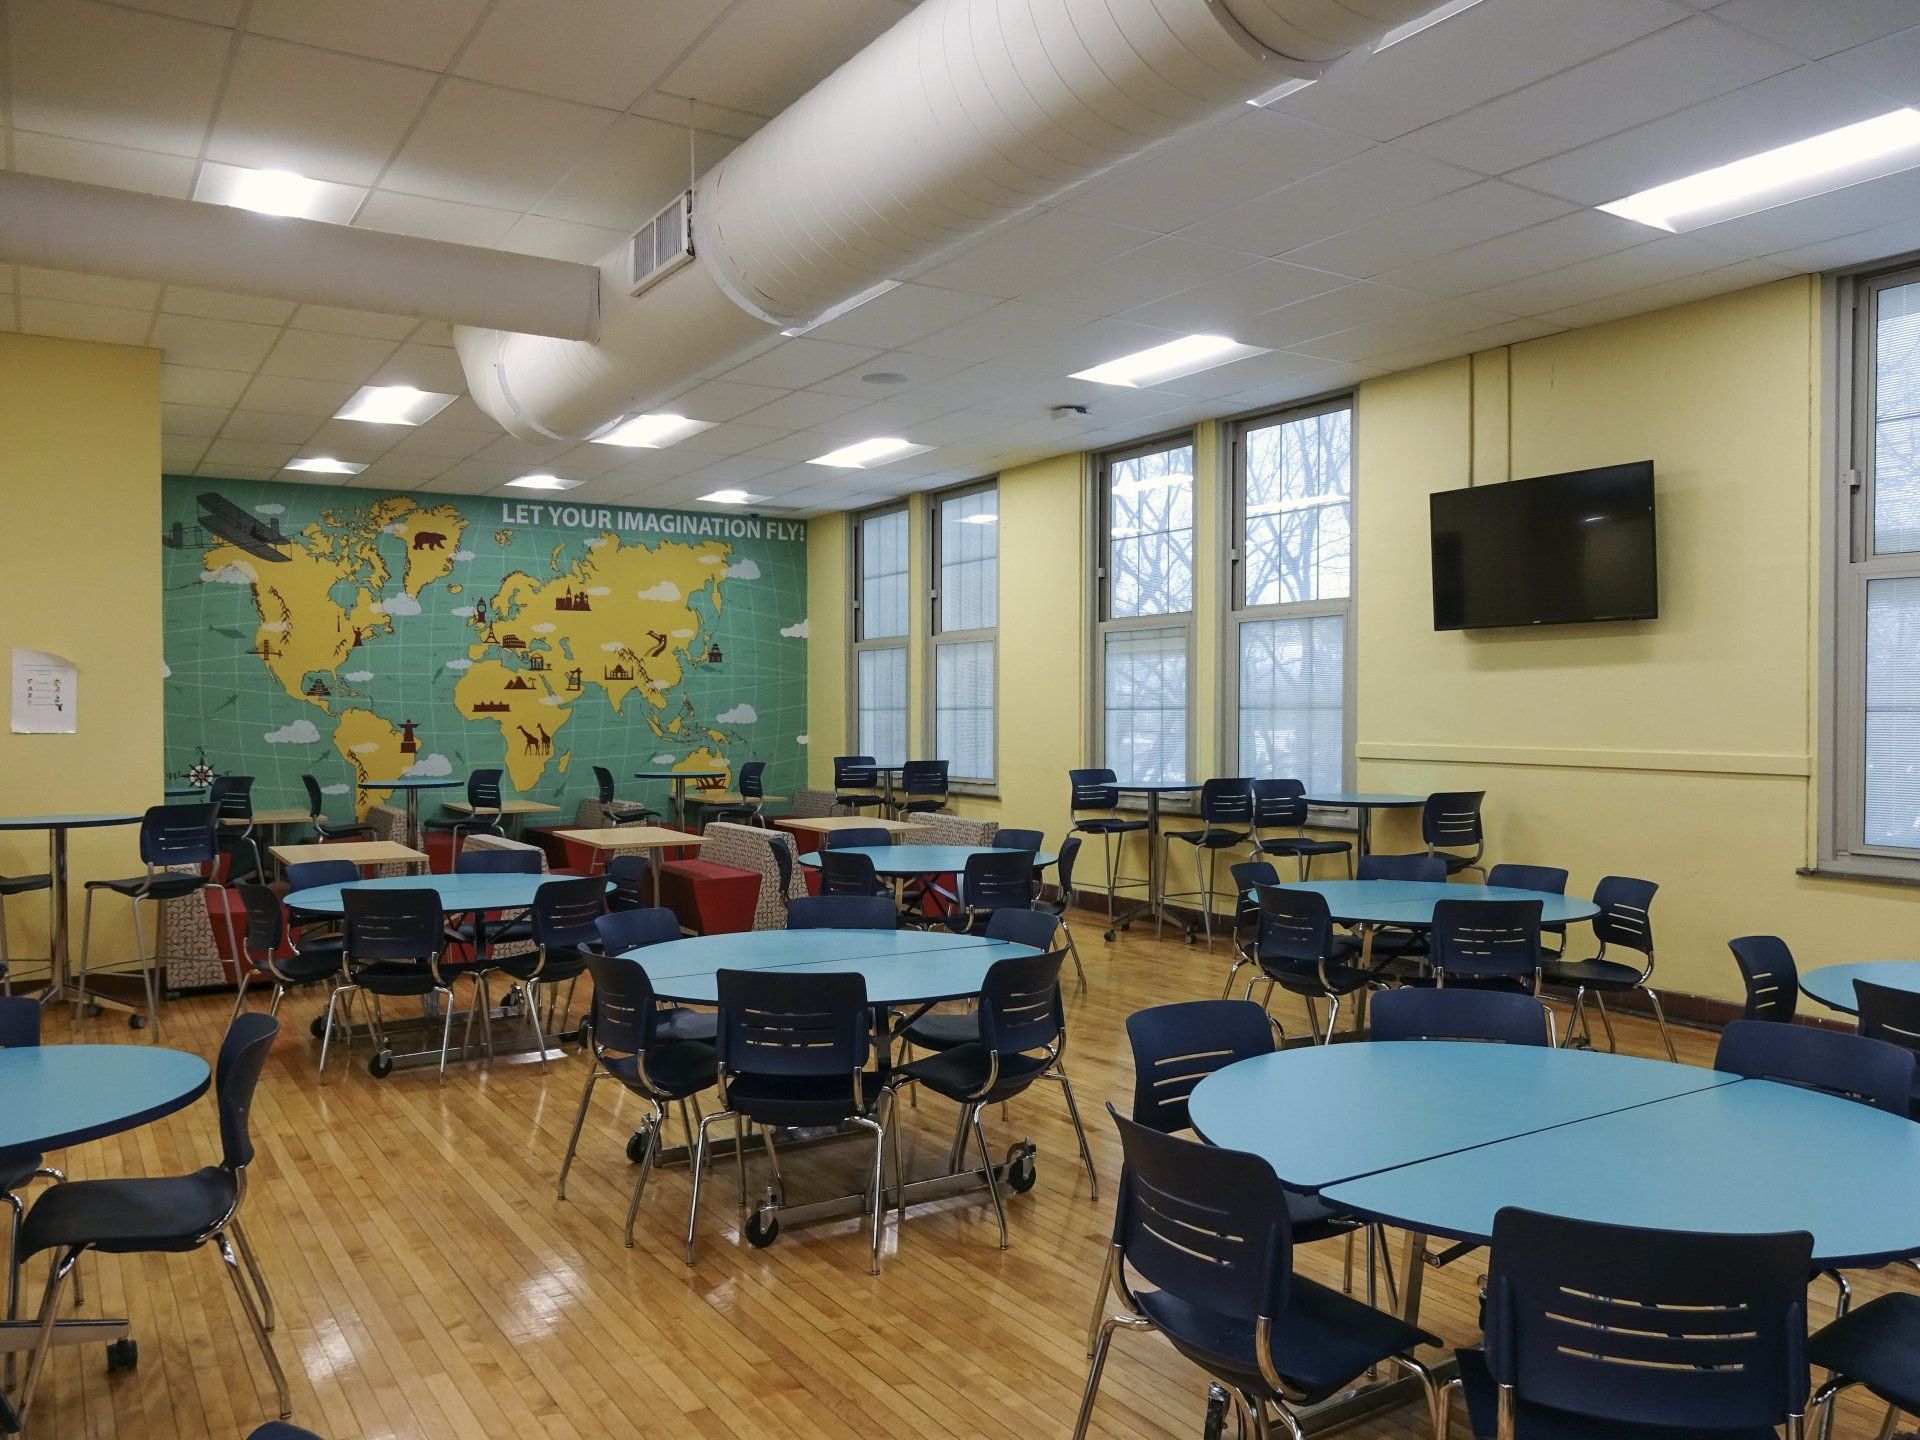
{"x": 624, "y": 931}
{"x": 942, "y": 1030}
{"x": 170, "y": 836}
{"x": 1833, "y": 1062}
{"x": 1892, "y": 1016}
{"x": 855, "y": 837}
{"x": 632, "y": 887}
{"x": 482, "y": 815}
{"x": 167, "y": 1214}
{"x": 923, "y": 786}
{"x": 1094, "y": 803}
{"x": 10, "y": 886}
{"x": 1876, "y": 1346}
{"x": 1487, "y": 944}
{"x": 856, "y": 783}
{"x": 751, "y": 786}
{"x": 842, "y": 873}
{"x": 1206, "y": 1228}
{"x": 1226, "y": 823}
{"x": 1297, "y": 951}
{"x": 1598, "y": 1330}
{"x": 842, "y": 912}
{"x": 565, "y": 926}
{"x": 793, "y": 1053}
{"x": 1023, "y": 1040}
{"x": 396, "y": 948}
{"x": 481, "y": 933}
{"x": 1418, "y": 1013}
{"x": 618, "y": 811}
{"x": 232, "y": 797}
{"x": 318, "y": 930}
{"x": 312, "y": 963}
{"x": 1062, "y": 900}
{"x": 1625, "y": 922}
{"x": 323, "y": 828}
{"x": 1391, "y": 943}
{"x": 630, "y": 1046}
{"x": 1281, "y": 805}
{"x": 992, "y": 880}
{"x": 1011, "y": 839}
{"x": 1248, "y": 876}
{"x": 1549, "y": 879}
{"x": 19, "y": 1028}
{"x": 278, "y": 1430}
{"x": 1450, "y": 823}
{"x": 312, "y": 874}
{"x": 1771, "y": 978}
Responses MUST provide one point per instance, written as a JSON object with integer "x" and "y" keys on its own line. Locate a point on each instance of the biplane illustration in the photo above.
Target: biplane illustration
{"x": 223, "y": 519}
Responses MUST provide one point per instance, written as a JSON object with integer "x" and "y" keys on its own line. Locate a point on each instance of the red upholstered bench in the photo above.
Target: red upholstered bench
{"x": 710, "y": 899}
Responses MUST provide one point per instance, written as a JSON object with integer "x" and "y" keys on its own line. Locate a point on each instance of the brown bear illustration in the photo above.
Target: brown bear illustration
{"x": 429, "y": 540}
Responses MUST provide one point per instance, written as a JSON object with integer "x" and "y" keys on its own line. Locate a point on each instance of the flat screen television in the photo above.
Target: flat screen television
{"x": 1553, "y": 550}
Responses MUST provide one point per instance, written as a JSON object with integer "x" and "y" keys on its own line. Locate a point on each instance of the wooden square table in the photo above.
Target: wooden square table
{"x": 354, "y": 852}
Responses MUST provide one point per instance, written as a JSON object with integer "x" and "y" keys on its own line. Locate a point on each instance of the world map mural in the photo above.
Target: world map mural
{"x": 360, "y": 636}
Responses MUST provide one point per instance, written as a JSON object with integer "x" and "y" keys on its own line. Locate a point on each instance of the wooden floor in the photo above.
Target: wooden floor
{"x": 430, "y": 1285}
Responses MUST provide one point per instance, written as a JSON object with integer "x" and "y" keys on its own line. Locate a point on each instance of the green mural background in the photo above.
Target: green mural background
{"x": 429, "y": 635}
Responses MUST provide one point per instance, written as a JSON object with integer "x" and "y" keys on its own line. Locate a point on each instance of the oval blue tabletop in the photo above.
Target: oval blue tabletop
{"x": 901, "y": 967}
{"x": 406, "y": 782}
{"x": 65, "y": 822}
{"x": 1364, "y": 800}
{"x": 1411, "y": 902}
{"x": 1832, "y": 985}
{"x": 58, "y": 1095}
{"x": 922, "y": 859}
{"x": 459, "y": 894}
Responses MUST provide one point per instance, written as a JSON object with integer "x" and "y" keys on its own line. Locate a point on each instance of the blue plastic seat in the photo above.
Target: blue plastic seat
{"x": 1487, "y": 944}
{"x": 1247, "y": 876}
{"x": 842, "y": 912}
{"x": 1062, "y": 899}
{"x": 923, "y": 786}
{"x": 942, "y": 1030}
{"x": 1093, "y": 805}
{"x": 396, "y": 948}
{"x": 1226, "y": 822}
{"x": 633, "y": 889}
{"x": 1549, "y": 879}
{"x": 323, "y": 828}
{"x": 1878, "y": 1346}
{"x": 183, "y": 836}
{"x": 1298, "y": 952}
{"x": 480, "y": 933}
{"x": 1202, "y": 1253}
{"x": 564, "y": 924}
{"x": 1282, "y": 805}
{"x": 1831, "y": 1061}
{"x": 624, "y": 931}
{"x": 482, "y": 816}
{"x": 751, "y": 785}
{"x": 1419, "y": 1013}
{"x": 618, "y": 811}
{"x": 855, "y": 838}
{"x": 1606, "y": 1332}
{"x": 848, "y": 874}
{"x": 993, "y": 880}
{"x": 1771, "y": 978}
{"x": 1450, "y": 823}
{"x": 856, "y": 783}
{"x": 1893, "y": 1016}
{"x": 314, "y": 961}
{"x": 1625, "y": 922}
{"x": 1391, "y": 943}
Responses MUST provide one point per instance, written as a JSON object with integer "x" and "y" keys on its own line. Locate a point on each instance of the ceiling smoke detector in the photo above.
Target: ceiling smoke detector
{"x": 1068, "y": 412}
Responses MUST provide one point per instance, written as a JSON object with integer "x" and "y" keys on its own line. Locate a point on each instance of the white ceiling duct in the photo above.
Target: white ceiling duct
{"x": 965, "y": 114}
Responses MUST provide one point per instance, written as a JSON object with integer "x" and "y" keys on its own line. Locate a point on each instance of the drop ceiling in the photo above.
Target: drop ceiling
{"x": 1434, "y": 200}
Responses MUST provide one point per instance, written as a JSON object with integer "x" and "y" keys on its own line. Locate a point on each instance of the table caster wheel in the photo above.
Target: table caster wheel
{"x": 763, "y": 1228}
{"x": 381, "y": 1065}
{"x": 122, "y": 1355}
{"x": 1109, "y": 937}
{"x": 1021, "y": 1173}
{"x": 136, "y": 1022}
{"x": 317, "y": 1027}
{"x": 637, "y": 1147}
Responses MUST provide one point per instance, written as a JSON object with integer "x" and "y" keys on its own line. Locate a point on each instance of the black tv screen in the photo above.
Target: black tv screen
{"x": 1554, "y": 550}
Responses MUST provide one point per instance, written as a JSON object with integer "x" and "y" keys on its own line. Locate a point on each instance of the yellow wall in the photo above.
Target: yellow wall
{"x": 827, "y": 642}
{"x": 80, "y": 575}
{"x": 1679, "y": 749}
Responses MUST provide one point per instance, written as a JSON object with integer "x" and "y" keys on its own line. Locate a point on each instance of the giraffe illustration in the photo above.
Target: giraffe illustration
{"x": 530, "y": 741}
{"x": 546, "y": 740}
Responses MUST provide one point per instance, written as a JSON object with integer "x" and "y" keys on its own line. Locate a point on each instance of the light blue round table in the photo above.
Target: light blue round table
{"x": 1832, "y": 985}
{"x": 1409, "y": 904}
{"x": 459, "y": 894}
{"x": 901, "y": 967}
{"x": 60, "y": 1095}
{"x": 906, "y": 861}
{"x": 1460, "y": 1131}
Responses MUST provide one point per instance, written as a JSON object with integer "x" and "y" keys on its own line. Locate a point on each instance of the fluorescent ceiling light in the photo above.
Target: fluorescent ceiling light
{"x": 729, "y": 497}
{"x": 872, "y": 292}
{"x": 1170, "y": 361}
{"x": 868, "y": 453}
{"x": 394, "y": 405}
{"x": 541, "y": 482}
{"x": 278, "y": 192}
{"x": 1821, "y": 163}
{"x": 325, "y": 465}
{"x": 1292, "y": 87}
{"x": 652, "y": 432}
{"x": 1421, "y": 22}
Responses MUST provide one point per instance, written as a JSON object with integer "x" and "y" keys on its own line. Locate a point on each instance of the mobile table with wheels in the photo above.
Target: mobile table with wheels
{"x": 59, "y": 940}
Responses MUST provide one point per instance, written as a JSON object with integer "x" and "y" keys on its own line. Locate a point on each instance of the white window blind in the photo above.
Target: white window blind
{"x": 1145, "y": 704}
{"x": 1292, "y": 700}
{"x": 963, "y": 707}
{"x": 970, "y": 561}
{"x": 883, "y": 705}
{"x": 883, "y": 575}
{"x": 1149, "y": 559}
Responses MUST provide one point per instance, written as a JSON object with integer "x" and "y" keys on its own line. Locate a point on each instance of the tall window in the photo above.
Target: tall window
{"x": 1145, "y": 616}
{"x": 966, "y": 618}
{"x": 1876, "y": 734}
{"x": 1292, "y": 589}
{"x": 880, "y": 616}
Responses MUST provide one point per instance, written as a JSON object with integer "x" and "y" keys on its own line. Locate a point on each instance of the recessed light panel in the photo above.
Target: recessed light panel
{"x": 652, "y": 432}
{"x": 277, "y": 192}
{"x": 541, "y": 482}
{"x": 325, "y": 465}
{"x": 394, "y": 405}
{"x": 730, "y": 497}
{"x": 868, "y": 453}
{"x": 1187, "y": 356}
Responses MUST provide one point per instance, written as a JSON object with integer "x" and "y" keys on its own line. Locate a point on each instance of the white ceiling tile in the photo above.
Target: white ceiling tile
{"x": 1033, "y": 253}
{"x": 1577, "y": 236}
{"x": 1816, "y": 31}
{"x": 717, "y": 400}
{"x": 180, "y": 453}
{"x": 1009, "y": 326}
{"x": 1670, "y": 257}
{"x": 526, "y": 456}
{"x": 915, "y": 369}
{"x": 1434, "y": 227}
{"x": 1419, "y": 327}
{"x": 395, "y": 466}
{"x": 424, "y": 367}
{"x": 1866, "y": 206}
{"x": 235, "y": 470}
{"x": 71, "y": 321}
{"x": 736, "y": 437}
{"x": 1154, "y": 270}
{"x": 208, "y": 12}
{"x": 766, "y": 54}
{"x": 93, "y": 163}
{"x": 197, "y": 421}
{"x": 434, "y": 219}
{"x": 1218, "y": 306}
{"x": 290, "y": 395}
{"x": 350, "y": 438}
{"x": 801, "y": 410}
{"x": 1891, "y": 65}
{"x": 1328, "y": 314}
{"x": 213, "y": 344}
{"x": 354, "y": 322}
{"x": 1494, "y": 47}
{"x": 1374, "y": 183}
{"x": 311, "y": 355}
{"x": 430, "y": 440}
{"x": 1465, "y": 342}
{"x": 432, "y": 332}
{"x": 976, "y": 384}
{"x": 1174, "y": 185}
{"x": 1880, "y": 243}
{"x": 265, "y": 425}
{"x": 122, "y": 77}
{"x": 220, "y": 305}
{"x": 331, "y": 117}
{"x": 1676, "y": 67}
{"x": 794, "y": 363}
{"x": 1738, "y": 276}
{"x": 599, "y": 52}
{"x": 885, "y": 417}
{"x": 256, "y": 454}
{"x": 483, "y": 145}
{"x": 632, "y": 171}
{"x": 1803, "y": 101}
{"x": 87, "y": 289}
{"x": 561, "y": 239}
{"x": 421, "y": 33}
{"x": 186, "y": 385}
{"x": 905, "y": 313}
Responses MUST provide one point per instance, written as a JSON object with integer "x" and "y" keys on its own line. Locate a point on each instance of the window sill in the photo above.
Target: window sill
{"x": 1859, "y": 871}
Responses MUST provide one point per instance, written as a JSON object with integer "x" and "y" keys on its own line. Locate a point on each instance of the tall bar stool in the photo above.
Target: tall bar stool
{"x": 1450, "y": 823}
{"x": 170, "y": 835}
{"x": 753, "y": 796}
{"x": 1093, "y": 804}
{"x": 1226, "y": 823}
{"x": 14, "y": 885}
{"x": 856, "y": 782}
{"x": 923, "y": 786}
{"x": 618, "y": 811}
{"x": 483, "y": 815}
{"x": 232, "y": 796}
{"x": 323, "y": 828}
{"x": 1282, "y": 805}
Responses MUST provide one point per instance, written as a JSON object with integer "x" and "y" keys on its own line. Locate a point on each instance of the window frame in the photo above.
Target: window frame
{"x": 1239, "y": 613}
{"x": 1848, "y": 519}
{"x": 859, "y": 644}
{"x": 939, "y": 636}
{"x": 1103, "y": 623}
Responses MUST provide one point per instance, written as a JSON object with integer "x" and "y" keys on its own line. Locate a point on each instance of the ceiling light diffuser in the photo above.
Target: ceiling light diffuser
{"x": 394, "y": 405}
{"x": 1821, "y": 163}
{"x": 541, "y": 482}
{"x": 325, "y": 465}
{"x": 1188, "y": 356}
{"x": 868, "y": 453}
{"x": 277, "y": 192}
{"x": 652, "y": 432}
{"x": 730, "y": 497}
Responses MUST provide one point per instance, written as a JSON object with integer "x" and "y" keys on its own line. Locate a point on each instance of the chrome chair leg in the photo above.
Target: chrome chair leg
{"x": 1606, "y": 1021}
{"x": 254, "y": 1273}
{"x": 1660, "y": 1015}
{"x": 1100, "y": 1348}
{"x": 260, "y": 1335}
{"x": 49, "y": 1307}
{"x": 16, "y": 1211}
{"x": 1073, "y": 1111}
{"x": 86, "y": 954}
{"x": 240, "y": 995}
{"x": 877, "y": 1186}
{"x": 648, "y": 1151}
{"x": 446, "y": 1028}
{"x": 993, "y": 1185}
{"x": 698, "y": 1158}
{"x": 579, "y": 1120}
